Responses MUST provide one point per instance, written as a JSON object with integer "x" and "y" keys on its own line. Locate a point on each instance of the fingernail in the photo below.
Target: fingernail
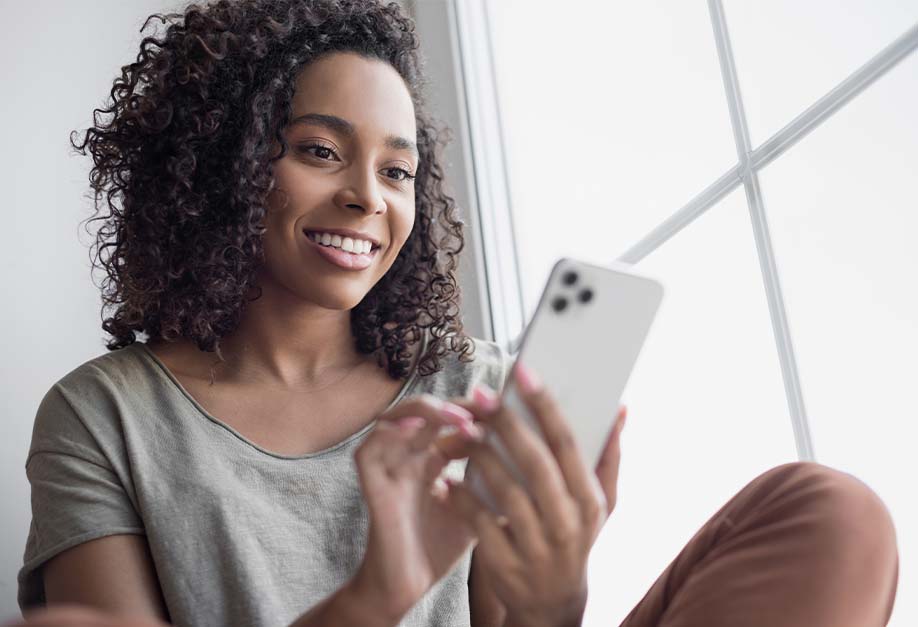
{"x": 528, "y": 380}
{"x": 456, "y": 412}
{"x": 411, "y": 421}
{"x": 485, "y": 397}
{"x": 472, "y": 430}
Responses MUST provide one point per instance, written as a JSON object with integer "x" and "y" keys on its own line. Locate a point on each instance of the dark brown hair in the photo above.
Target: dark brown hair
{"x": 185, "y": 169}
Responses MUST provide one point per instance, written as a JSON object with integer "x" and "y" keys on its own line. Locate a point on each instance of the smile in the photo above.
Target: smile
{"x": 342, "y": 258}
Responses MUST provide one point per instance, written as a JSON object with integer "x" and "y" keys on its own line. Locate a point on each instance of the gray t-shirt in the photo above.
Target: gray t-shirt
{"x": 239, "y": 535}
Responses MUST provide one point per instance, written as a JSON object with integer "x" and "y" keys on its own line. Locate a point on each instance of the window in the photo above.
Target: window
{"x": 770, "y": 187}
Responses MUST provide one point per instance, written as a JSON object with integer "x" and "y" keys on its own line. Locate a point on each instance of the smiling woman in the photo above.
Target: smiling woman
{"x": 331, "y": 121}
{"x": 278, "y": 229}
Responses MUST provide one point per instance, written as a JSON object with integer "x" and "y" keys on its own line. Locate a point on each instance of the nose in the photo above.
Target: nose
{"x": 362, "y": 191}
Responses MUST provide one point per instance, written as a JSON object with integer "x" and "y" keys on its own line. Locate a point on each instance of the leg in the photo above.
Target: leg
{"x": 801, "y": 544}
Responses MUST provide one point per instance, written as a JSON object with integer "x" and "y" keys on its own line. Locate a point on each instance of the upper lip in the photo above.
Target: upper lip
{"x": 344, "y": 233}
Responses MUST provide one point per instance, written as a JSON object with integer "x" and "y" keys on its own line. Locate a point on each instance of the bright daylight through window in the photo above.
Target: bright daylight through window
{"x": 759, "y": 159}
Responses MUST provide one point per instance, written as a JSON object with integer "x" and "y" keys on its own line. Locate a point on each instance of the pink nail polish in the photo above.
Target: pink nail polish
{"x": 456, "y": 412}
{"x": 485, "y": 397}
{"x": 528, "y": 380}
{"x": 472, "y": 431}
{"x": 411, "y": 421}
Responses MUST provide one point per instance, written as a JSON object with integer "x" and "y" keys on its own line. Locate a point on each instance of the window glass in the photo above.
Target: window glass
{"x": 843, "y": 209}
{"x": 789, "y": 54}
{"x": 706, "y": 404}
{"x": 614, "y": 117}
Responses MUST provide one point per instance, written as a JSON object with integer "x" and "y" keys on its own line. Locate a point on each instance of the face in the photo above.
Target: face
{"x": 349, "y": 166}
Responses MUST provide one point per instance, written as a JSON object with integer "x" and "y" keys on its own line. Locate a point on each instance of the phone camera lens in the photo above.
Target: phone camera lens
{"x": 585, "y": 295}
{"x": 569, "y": 278}
{"x": 559, "y": 303}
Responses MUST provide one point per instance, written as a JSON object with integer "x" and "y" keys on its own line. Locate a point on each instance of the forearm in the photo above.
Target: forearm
{"x": 570, "y": 618}
{"x": 347, "y": 606}
{"x": 510, "y": 621}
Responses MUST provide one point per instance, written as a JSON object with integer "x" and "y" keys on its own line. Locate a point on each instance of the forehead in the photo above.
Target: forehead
{"x": 369, "y": 93}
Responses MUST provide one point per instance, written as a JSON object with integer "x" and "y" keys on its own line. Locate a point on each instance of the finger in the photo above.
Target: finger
{"x": 388, "y": 446}
{"x": 560, "y": 439}
{"x": 455, "y": 445}
{"x": 525, "y": 525}
{"x": 73, "y": 615}
{"x": 387, "y": 439}
{"x": 608, "y": 465}
{"x": 493, "y": 538}
{"x": 430, "y": 408}
{"x": 541, "y": 474}
{"x": 424, "y": 437}
{"x": 480, "y": 417}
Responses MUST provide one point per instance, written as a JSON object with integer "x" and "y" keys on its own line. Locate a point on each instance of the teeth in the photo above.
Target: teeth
{"x": 357, "y": 246}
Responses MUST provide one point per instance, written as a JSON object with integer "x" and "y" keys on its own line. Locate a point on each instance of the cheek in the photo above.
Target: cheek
{"x": 300, "y": 185}
{"x": 403, "y": 229}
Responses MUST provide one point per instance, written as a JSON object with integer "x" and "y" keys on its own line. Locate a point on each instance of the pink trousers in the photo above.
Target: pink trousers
{"x": 801, "y": 545}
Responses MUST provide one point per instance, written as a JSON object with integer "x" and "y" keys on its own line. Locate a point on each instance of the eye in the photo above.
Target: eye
{"x": 406, "y": 175}
{"x": 318, "y": 150}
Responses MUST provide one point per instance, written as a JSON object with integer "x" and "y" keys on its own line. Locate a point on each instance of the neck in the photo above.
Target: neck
{"x": 283, "y": 341}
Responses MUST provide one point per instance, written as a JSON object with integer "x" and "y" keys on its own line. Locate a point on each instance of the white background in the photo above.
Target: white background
{"x": 57, "y": 62}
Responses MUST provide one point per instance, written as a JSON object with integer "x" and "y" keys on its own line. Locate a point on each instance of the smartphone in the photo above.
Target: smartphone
{"x": 583, "y": 341}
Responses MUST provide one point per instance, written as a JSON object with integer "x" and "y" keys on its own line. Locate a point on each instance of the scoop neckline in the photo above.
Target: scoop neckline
{"x": 412, "y": 378}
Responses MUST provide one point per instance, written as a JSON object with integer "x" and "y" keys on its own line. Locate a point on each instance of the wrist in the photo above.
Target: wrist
{"x": 570, "y": 616}
{"x": 571, "y": 620}
{"x": 361, "y": 604}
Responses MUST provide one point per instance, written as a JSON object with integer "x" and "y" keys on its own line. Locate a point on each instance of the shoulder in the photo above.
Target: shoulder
{"x": 103, "y": 377}
{"x": 486, "y": 363}
{"x": 83, "y": 408}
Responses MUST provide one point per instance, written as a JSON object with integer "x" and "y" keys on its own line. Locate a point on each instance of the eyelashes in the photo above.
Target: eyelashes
{"x": 320, "y": 151}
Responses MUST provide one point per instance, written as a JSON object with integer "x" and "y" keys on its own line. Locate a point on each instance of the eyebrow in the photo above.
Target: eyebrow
{"x": 343, "y": 127}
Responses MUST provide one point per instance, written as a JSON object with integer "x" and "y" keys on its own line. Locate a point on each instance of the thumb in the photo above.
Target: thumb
{"x": 608, "y": 464}
{"x": 454, "y": 446}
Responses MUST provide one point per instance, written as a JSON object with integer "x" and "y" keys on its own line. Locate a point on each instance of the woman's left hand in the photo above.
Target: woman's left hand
{"x": 536, "y": 554}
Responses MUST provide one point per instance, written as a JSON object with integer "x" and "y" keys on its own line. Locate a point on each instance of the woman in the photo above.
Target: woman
{"x": 281, "y": 206}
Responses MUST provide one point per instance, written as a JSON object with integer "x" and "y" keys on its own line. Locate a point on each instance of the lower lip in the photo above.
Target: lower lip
{"x": 342, "y": 258}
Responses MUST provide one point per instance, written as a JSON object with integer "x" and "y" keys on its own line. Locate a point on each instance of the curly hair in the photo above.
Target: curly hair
{"x": 185, "y": 169}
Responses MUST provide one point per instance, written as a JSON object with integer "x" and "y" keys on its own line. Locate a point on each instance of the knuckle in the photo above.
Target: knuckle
{"x": 564, "y": 440}
{"x": 594, "y": 512}
{"x": 514, "y": 494}
{"x": 544, "y": 398}
{"x": 565, "y": 533}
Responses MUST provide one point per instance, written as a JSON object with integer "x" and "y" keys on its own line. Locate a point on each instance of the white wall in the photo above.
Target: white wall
{"x": 58, "y": 60}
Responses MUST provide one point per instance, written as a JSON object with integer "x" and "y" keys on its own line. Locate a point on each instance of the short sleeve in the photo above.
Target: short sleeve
{"x": 76, "y": 493}
{"x": 506, "y": 363}
{"x": 498, "y": 362}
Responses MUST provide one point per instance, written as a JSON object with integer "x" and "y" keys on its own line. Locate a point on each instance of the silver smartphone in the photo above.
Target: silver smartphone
{"x": 583, "y": 341}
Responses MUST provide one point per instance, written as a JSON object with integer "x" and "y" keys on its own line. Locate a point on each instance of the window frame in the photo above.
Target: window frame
{"x": 496, "y": 287}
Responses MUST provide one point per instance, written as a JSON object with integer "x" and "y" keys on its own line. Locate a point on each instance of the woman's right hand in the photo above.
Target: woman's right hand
{"x": 414, "y": 537}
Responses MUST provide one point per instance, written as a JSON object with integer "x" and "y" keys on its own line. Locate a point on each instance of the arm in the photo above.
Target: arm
{"x": 486, "y": 609}
{"x": 115, "y": 575}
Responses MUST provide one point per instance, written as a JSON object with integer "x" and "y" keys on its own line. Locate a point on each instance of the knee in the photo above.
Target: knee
{"x": 847, "y": 516}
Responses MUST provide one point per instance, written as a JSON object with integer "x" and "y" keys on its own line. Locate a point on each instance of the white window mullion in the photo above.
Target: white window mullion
{"x": 823, "y": 108}
{"x": 776, "y": 306}
{"x": 793, "y": 132}
{"x": 486, "y": 140}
